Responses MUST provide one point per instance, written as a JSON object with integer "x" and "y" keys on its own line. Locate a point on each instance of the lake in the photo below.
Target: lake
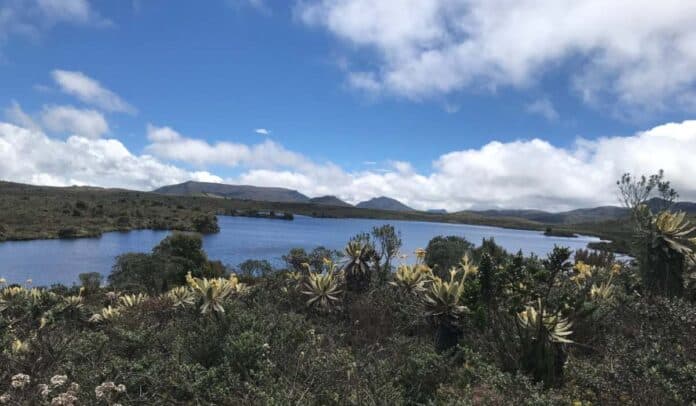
{"x": 241, "y": 238}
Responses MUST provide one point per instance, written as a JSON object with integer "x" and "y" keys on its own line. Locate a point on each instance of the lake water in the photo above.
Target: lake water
{"x": 241, "y": 238}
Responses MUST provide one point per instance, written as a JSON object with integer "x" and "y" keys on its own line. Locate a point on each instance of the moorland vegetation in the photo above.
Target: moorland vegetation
{"x": 458, "y": 324}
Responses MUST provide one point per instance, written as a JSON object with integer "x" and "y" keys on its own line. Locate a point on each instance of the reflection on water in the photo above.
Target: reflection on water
{"x": 241, "y": 238}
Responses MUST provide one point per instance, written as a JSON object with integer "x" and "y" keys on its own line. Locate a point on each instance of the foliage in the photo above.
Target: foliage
{"x": 90, "y": 281}
{"x": 322, "y": 290}
{"x": 360, "y": 260}
{"x": 664, "y": 241}
{"x": 443, "y": 253}
{"x": 166, "y": 267}
{"x": 551, "y": 331}
{"x": 212, "y": 293}
{"x": 388, "y": 241}
{"x": 253, "y": 268}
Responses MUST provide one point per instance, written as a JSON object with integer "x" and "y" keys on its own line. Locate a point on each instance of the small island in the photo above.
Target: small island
{"x": 554, "y": 232}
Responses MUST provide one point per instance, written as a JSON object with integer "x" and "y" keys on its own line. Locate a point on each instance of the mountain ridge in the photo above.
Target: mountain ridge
{"x": 241, "y": 192}
{"x": 329, "y": 200}
{"x": 285, "y": 195}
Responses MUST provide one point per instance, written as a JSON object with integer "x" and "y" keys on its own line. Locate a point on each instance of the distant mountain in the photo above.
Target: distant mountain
{"x": 437, "y": 211}
{"x": 591, "y": 215}
{"x": 330, "y": 201}
{"x": 241, "y": 192}
{"x": 383, "y": 203}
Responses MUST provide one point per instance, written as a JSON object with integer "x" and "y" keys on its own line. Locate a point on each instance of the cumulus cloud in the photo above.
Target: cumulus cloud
{"x": 90, "y": 91}
{"x": 637, "y": 54}
{"x": 68, "y": 119}
{"x": 31, "y": 156}
{"x": 169, "y": 144}
{"x": 520, "y": 174}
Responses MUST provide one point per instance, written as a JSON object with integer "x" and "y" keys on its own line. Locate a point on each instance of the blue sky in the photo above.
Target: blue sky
{"x": 372, "y": 95}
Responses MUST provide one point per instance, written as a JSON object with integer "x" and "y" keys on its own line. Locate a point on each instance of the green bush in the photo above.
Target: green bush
{"x": 443, "y": 253}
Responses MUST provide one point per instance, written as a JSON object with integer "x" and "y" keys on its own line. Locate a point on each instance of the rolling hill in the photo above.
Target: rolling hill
{"x": 383, "y": 203}
{"x": 241, "y": 192}
{"x": 589, "y": 215}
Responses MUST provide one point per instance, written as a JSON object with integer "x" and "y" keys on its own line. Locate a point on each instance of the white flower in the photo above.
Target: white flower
{"x": 58, "y": 380}
{"x": 64, "y": 399}
{"x": 5, "y": 398}
{"x": 19, "y": 381}
{"x": 106, "y": 389}
{"x": 44, "y": 390}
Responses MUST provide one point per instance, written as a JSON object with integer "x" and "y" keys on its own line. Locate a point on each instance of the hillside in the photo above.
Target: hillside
{"x": 589, "y": 215}
{"x": 329, "y": 201}
{"x": 240, "y": 192}
{"x": 383, "y": 203}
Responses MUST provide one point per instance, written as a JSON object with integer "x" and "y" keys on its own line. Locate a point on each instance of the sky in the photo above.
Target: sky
{"x": 454, "y": 104}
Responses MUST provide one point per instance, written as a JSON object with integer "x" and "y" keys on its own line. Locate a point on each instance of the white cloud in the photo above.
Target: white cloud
{"x": 90, "y": 91}
{"x": 636, "y": 54}
{"x": 31, "y": 156}
{"x": 71, "y": 120}
{"x": 519, "y": 174}
{"x": 544, "y": 108}
{"x": 262, "y": 131}
{"x": 169, "y": 144}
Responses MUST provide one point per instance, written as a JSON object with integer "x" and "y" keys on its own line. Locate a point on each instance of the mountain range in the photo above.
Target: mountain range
{"x": 240, "y": 192}
{"x": 283, "y": 195}
{"x": 595, "y": 214}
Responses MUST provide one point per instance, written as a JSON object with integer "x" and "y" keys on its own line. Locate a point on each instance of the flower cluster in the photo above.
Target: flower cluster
{"x": 109, "y": 391}
{"x": 20, "y": 381}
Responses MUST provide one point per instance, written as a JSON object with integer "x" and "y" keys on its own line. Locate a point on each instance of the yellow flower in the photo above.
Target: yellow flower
{"x": 582, "y": 272}
{"x": 420, "y": 254}
{"x": 18, "y": 346}
{"x": 616, "y": 269}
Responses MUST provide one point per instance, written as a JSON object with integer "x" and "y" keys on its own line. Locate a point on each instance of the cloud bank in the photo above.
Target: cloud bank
{"x": 520, "y": 174}
{"x": 636, "y": 55}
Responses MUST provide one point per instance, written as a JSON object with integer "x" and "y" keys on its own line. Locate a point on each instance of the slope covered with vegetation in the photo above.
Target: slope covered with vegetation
{"x": 464, "y": 324}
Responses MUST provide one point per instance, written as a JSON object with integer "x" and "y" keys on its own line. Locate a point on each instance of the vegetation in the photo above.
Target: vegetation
{"x": 464, "y": 324}
{"x": 36, "y": 212}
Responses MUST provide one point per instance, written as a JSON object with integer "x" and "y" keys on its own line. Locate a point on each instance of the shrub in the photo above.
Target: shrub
{"x": 91, "y": 281}
{"x": 444, "y": 253}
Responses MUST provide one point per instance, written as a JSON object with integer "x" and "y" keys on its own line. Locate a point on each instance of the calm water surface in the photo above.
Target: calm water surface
{"x": 241, "y": 238}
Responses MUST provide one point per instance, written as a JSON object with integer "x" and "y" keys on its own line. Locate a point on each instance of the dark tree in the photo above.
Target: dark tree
{"x": 443, "y": 253}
